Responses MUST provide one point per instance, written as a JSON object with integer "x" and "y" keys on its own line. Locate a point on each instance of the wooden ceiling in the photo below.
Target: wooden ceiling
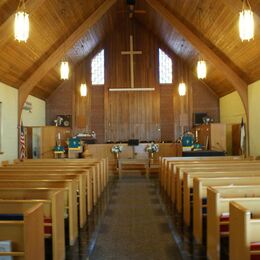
{"x": 53, "y": 21}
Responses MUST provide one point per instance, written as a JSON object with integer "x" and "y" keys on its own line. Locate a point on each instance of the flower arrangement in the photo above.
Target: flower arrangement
{"x": 152, "y": 148}
{"x": 117, "y": 149}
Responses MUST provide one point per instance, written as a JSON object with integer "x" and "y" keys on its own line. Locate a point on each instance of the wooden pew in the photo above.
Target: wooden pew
{"x": 244, "y": 235}
{"x": 166, "y": 161}
{"x": 86, "y": 178}
{"x": 166, "y": 164}
{"x": 26, "y": 234}
{"x": 218, "y": 213}
{"x": 225, "y": 166}
{"x": 70, "y": 188}
{"x": 178, "y": 168}
{"x": 102, "y": 164}
{"x": 188, "y": 178}
{"x": 95, "y": 175}
{"x": 35, "y": 175}
{"x": 53, "y": 209}
{"x": 200, "y": 194}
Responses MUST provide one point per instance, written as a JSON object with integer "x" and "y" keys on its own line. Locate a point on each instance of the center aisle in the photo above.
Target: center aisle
{"x": 134, "y": 225}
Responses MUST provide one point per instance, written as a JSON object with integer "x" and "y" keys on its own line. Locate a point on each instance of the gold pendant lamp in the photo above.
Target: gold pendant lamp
{"x": 21, "y": 23}
{"x": 201, "y": 64}
{"x": 83, "y": 90}
{"x": 182, "y": 88}
{"x": 64, "y": 70}
{"x": 246, "y": 22}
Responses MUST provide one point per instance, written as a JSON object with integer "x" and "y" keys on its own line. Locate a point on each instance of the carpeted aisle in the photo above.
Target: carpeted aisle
{"x": 134, "y": 225}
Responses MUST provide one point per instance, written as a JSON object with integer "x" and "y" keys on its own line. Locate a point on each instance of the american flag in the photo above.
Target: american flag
{"x": 22, "y": 143}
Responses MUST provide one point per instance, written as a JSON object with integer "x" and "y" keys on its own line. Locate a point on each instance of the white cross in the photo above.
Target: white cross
{"x": 131, "y": 53}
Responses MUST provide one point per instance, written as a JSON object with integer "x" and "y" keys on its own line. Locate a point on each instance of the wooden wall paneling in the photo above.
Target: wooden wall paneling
{"x": 220, "y": 62}
{"x": 55, "y": 57}
{"x": 236, "y": 149}
{"x": 204, "y": 99}
{"x": 6, "y": 28}
{"x": 166, "y": 113}
{"x": 82, "y": 109}
{"x": 60, "y": 102}
{"x": 134, "y": 114}
{"x": 97, "y": 112}
{"x": 28, "y": 142}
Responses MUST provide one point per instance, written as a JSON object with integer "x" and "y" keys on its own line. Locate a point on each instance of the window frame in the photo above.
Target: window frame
{"x": 160, "y": 50}
{"x": 91, "y": 68}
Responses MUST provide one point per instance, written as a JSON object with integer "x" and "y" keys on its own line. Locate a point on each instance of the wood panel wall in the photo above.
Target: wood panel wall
{"x": 160, "y": 115}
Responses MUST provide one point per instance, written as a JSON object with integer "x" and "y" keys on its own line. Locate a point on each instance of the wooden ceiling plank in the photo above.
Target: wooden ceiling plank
{"x": 238, "y": 83}
{"x": 236, "y": 7}
{"x": 6, "y": 29}
{"x": 55, "y": 57}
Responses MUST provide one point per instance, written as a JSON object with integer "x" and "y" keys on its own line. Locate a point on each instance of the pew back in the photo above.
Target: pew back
{"x": 27, "y": 234}
{"x": 244, "y": 227}
{"x": 218, "y": 205}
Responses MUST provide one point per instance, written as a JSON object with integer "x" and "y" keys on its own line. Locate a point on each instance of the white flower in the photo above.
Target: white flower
{"x": 117, "y": 149}
{"x": 152, "y": 148}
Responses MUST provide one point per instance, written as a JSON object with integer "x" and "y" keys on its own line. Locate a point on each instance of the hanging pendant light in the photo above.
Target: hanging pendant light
{"x": 182, "y": 89}
{"x": 246, "y": 22}
{"x": 201, "y": 64}
{"x": 83, "y": 90}
{"x": 201, "y": 69}
{"x": 21, "y": 23}
{"x": 64, "y": 70}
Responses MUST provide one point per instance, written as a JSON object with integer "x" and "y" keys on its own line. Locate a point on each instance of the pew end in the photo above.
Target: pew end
{"x": 27, "y": 235}
{"x": 244, "y": 228}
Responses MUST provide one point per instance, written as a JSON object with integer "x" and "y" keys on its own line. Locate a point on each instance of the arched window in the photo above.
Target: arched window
{"x": 98, "y": 69}
{"x": 165, "y": 68}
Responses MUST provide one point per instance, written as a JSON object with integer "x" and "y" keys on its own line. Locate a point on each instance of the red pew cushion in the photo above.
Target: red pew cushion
{"x": 254, "y": 247}
{"x": 47, "y": 229}
{"x": 224, "y": 218}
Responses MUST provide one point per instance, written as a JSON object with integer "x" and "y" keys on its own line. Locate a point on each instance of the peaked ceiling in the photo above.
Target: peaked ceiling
{"x": 54, "y": 21}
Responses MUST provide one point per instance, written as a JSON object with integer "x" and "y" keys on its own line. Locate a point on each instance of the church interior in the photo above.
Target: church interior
{"x": 129, "y": 129}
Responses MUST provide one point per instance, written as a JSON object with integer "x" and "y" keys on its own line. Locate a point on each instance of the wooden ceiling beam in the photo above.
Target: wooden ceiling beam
{"x": 56, "y": 56}
{"x": 237, "y": 82}
{"x": 6, "y": 29}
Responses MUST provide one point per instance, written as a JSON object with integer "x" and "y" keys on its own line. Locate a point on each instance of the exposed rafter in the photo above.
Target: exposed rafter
{"x": 55, "y": 57}
{"x": 238, "y": 83}
{"x": 6, "y": 29}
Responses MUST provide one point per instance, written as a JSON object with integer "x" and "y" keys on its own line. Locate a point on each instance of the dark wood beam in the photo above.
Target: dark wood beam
{"x": 56, "y": 56}
{"x": 6, "y": 29}
{"x": 237, "y": 82}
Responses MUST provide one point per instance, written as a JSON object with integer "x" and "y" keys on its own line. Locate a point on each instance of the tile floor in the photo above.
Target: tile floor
{"x": 134, "y": 220}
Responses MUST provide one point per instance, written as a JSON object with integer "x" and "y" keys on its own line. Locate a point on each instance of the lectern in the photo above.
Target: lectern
{"x": 133, "y": 143}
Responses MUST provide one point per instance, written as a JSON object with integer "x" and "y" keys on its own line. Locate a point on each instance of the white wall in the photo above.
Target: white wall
{"x": 254, "y": 117}
{"x": 37, "y": 116}
{"x": 9, "y": 138}
{"x": 231, "y": 112}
